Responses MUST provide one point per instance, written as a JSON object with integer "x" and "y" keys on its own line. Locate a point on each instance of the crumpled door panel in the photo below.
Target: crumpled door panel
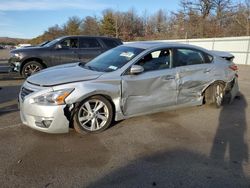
{"x": 148, "y": 91}
{"x": 192, "y": 80}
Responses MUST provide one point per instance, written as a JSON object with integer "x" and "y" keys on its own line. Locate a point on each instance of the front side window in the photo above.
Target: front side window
{"x": 113, "y": 59}
{"x": 70, "y": 43}
{"x": 156, "y": 60}
{"x": 184, "y": 57}
{"x": 89, "y": 43}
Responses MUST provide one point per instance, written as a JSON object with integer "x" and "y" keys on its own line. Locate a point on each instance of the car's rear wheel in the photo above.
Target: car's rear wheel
{"x": 218, "y": 95}
{"x": 31, "y": 68}
{"x": 93, "y": 115}
{"x": 214, "y": 94}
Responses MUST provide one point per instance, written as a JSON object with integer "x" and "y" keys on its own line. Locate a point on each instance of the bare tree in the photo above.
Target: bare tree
{"x": 201, "y": 8}
{"x": 240, "y": 24}
{"x": 195, "y": 19}
{"x": 119, "y": 21}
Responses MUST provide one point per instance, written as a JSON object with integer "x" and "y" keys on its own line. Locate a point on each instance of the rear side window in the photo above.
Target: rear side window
{"x": 110, "y": 43}
{"x": 89, "y": 43}
{"x": 183, "y": 57}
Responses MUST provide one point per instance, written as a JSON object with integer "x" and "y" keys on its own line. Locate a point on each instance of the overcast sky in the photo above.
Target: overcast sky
{"x": 30, "y": 18}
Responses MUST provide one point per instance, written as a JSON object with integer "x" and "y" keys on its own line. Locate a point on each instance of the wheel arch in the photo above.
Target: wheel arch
{"x": 105, "y": 95}
{"x": 73, "y": 122}
{"x": 39, "y": 60}
{"x": 210, "y": 86}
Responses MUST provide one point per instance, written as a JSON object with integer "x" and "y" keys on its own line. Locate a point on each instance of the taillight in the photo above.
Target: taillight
{"x": 233, "y": 67}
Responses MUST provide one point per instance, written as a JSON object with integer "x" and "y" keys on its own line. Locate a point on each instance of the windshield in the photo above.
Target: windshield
{"x": 44, "y": 43}
{"x": 51, "y": 43}
{"x": 113, "y": 59}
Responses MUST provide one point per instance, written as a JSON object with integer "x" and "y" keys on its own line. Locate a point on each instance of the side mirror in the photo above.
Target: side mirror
{"x": 136, "y": 69}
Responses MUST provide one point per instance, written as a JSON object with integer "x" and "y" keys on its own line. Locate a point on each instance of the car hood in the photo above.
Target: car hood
{"x": 20, "y": 50}
{"x": 63, "y": 74}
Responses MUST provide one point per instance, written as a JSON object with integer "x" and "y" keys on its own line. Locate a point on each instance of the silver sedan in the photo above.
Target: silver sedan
{"x": 129, "y": 80}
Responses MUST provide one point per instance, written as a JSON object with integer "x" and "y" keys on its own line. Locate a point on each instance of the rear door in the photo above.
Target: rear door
{"x": 153, "y": 89}
{"x": 195, "y": 70}
{"x": 89, "y": 48}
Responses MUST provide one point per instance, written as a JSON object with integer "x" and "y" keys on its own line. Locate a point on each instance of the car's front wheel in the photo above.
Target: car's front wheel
{"x": 31, "y": 68}
{"x": 93, "y": 115}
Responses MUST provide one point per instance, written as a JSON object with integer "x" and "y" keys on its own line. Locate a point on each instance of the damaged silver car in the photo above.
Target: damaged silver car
{"x": 129, "y": 80}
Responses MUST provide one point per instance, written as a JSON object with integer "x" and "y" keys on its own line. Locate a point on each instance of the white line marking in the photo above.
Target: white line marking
{"x": 11, "y": 126}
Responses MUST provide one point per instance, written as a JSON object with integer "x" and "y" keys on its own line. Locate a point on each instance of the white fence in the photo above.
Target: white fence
{"x": 238, "y": 46}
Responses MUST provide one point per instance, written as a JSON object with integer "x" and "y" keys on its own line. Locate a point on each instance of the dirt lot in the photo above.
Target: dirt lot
{"x": 192, "y": 147}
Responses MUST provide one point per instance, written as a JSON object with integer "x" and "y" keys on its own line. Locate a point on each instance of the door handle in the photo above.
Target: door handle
{"x": 169, "y": 77}
{"x": 207, "y": 71}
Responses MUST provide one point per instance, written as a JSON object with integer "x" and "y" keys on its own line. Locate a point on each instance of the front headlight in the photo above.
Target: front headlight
{"x": 16, "y": 55}
{"x": 53, "y": 98}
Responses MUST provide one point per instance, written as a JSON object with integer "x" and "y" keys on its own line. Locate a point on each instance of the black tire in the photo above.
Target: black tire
{"x": 30, "y": 68}
{"x": 87, "y": 125}
{"x": 214, "y": 95}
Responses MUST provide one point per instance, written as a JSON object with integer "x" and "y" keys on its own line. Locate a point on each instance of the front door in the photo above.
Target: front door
{"x": 153, "y": 89}
{"x": 68, "y": 53}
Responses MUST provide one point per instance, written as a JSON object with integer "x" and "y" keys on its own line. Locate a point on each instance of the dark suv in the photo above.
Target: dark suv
{"x": 67, "y": 49}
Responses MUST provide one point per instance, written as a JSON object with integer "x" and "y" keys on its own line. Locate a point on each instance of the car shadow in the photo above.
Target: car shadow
{"x": 230, "y": 138}
{"x": 183, "y": 168}
{"x": 174, "y": 168}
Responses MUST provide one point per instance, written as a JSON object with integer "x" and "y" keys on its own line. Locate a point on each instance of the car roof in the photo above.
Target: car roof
{"x": 90, "y": 36}
{"x": 154, "y": 44}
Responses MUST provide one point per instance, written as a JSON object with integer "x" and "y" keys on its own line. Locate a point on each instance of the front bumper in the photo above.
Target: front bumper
{"x": 39, "y": 117}
{"x": 15, "y": 67}
{"x": 15, "y": 64}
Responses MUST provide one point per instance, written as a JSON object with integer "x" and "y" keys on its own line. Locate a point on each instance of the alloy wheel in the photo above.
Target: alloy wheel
{"x": 31, "y": 69}
{"x": 218, "y": 95}
{"x": 93, "y": 115}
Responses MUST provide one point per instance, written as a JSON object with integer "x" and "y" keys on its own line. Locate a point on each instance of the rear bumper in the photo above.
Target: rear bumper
{"x": 232, "y": 89}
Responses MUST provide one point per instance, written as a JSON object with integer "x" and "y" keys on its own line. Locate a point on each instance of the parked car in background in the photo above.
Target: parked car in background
{"x": 22, "y": 46}
{"x": 129, "y": 80}
{"x": 62, "y": 50}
